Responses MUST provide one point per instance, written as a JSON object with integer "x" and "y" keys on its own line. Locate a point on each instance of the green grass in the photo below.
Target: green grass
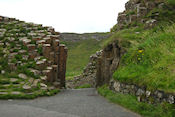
{"x": 149, "y": 60}
{"x": 130, "y": 102}
{"x": 78, "y": 55}
{"x": 83, "y": 86}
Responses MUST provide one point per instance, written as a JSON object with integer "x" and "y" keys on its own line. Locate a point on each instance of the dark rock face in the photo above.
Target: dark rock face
{"x": 77, "y": 37}
{"x": 107, "y": 63}
{"x": 100, "y": 68}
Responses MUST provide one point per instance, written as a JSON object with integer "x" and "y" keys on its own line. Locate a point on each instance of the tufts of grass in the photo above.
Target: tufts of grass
{"x": 130, "y": 102}
{"x": 83, "y": 86}
{"x": 150, "y": 60}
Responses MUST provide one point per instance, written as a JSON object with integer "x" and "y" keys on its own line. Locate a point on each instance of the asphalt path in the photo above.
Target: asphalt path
{"x": 67, "y": 103}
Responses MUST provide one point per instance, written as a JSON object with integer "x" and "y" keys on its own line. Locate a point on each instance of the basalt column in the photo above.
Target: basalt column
{"x": 62, "y": 64}
{"x": 107, "y": 63}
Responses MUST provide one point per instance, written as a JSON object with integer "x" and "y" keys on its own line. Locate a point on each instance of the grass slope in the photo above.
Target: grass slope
{"x": 150, "y": 57}
{"x": 78, "y": 55}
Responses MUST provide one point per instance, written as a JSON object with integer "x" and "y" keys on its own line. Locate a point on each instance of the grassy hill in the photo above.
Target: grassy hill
{"x": 150, "y": 60}
{"x": 78, "y": 55}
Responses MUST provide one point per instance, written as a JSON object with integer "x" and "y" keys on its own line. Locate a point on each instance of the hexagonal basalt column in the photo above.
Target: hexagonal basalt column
{"x": 46, "y": 50}
{"x": 62, "y": 64}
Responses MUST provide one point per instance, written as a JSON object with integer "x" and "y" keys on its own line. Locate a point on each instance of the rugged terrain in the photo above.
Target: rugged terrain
{"x": 30, "y": 60}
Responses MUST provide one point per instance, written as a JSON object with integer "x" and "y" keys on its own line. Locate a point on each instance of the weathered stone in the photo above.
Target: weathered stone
{"x": 37, "y": 58}
{"x": 171, "y": 99}
{"x": 31, "y": 47}
{"x": 15, "y": 92}
{"x": 44, "y": 78}
{"x": 46, "y": 50}
{"x": 25, "y": 41}
{"x": 35, "y": 72}
{"x": 56, "y": 45}
{"x": 47, "y": 40}
{"x": 23, "y": 76}
{"x": 160, "y": 95}
{"x": 35, "y": 83}
{"x": 2, "y": 72}
{"x": 43, "y": 85}
{"x": 41, "y": 42}
{"x": 117, "y": 86}
{"x": 151, "y": 23}
{"x": 22, "y": 51}
{"x": 148, "y": 93}
{"x": 36, "y": 38}
{"x": 3, "y": 93}
{"x": 48, "y": 73}
{"x": 139, "y": 92}
{"x": 26, "y": 87}
{"x": 13, "y": 79}
{"x": 41, "y": 64}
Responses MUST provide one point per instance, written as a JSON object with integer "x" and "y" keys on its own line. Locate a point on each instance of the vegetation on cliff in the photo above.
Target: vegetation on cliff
{"x": 146, "y": 32}
{"x": 149, "y": 60}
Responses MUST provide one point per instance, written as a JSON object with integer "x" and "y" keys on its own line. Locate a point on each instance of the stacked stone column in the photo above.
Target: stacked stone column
{"x": 56, "y": 54}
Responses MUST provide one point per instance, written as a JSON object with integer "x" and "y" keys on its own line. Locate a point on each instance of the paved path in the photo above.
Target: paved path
{"x": 68, "y": 103}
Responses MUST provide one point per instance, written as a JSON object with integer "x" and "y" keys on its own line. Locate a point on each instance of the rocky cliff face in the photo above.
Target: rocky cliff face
{"x": 143, "y": 12}
{"x": 108, "y": 62}
{"x": 100, "y": 68}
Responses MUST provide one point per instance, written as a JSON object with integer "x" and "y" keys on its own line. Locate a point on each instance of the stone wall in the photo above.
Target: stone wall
{"x": 50, "y": 62}
{"x": 142, "y": 93}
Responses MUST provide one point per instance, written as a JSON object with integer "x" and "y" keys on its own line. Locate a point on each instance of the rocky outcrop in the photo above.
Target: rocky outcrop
{"x": 77, "y": 37}
{"x": 108, "y": 62}
{"x": 144, "y": 12}
{"x": 100, "y": 67}
{"x": 32, "y": 51}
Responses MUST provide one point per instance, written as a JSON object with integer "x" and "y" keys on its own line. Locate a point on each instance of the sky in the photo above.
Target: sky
{"x": 78, "y": 16}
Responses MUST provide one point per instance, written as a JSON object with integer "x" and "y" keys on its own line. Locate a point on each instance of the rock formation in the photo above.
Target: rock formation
{"x": 142, "y": 12}
{"x": 31, "y": 52}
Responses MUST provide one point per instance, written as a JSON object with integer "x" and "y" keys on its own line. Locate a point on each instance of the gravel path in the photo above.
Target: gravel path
{"x": 68, "y": 103}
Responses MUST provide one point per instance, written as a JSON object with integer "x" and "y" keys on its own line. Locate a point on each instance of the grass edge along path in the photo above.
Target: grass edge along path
{"x": 130, "y": 102}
